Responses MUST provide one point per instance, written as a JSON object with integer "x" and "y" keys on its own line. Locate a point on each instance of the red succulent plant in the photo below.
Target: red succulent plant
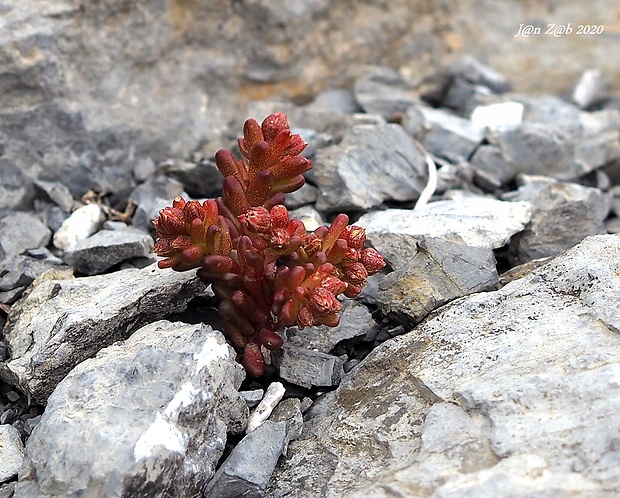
{"x": 265, "y": 269}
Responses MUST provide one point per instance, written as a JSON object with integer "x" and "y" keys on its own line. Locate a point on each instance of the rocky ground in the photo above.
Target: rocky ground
{"x": 484, "y": 361}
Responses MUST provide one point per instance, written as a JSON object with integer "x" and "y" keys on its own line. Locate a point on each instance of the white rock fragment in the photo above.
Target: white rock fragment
{"x": 495, "y": 115}
{"x": 274, "y": 394}
{"x": 476, "y": 221}
{"x": 83, "y": 222}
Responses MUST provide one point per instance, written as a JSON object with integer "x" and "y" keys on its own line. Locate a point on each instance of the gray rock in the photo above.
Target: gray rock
{"x": 355, "y": 320}
{"x": 50, "y": 214}
{"x": 440, "y": 271}
{"x": 556, "y": 138}
{"x": 461, "y": 93}
{"x": 153, "y": 196}
{"x": 106, "y": 248}
{"x": 199, "y": 179}
{"x": 63, "y": 322}
{"x": 335, "y": 100}
{"x": 473, "y": 71}
{"x": 535, "y": 148}
{"x": 563, "y": 214}
{"x": 505, "y": 393}
{"x": 590, "y": 89}
{"x": 369, "y": 292}
{"x": 20, "y": 231}
{"x": 147, "y": 416}
{"x": 491, "y": 168}
{"x": 307, "y": 367}
{"x": 6, "y": 490}
{"x": 55, "y": 192}
{"x": 247, "y": 470}
{"x": 477, "y": 221}
{"x": 11, "y": 452}
{"x": 372, "y": 164}
{"x": 614, "y": 195}
{"x": 385, "y": 92}
{"x": 22, "y": 271}
{"x": 599, "y": 143}
{"x": 447, "y": 135}
{"x": 252, "y": 398}
{"x": 289, "y": 412}
{"x": 612, "y": 225}
{"x": 469, "y": 80}
{"x": 307, "y": 194}
{"x": 144, "y": 169}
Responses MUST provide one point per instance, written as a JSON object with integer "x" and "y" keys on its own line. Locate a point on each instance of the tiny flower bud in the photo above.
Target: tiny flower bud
{"x": 323, "y": 302}
{"x": 279, "y": 216}
{"x": 372, "y": 260}
{"x": 355, "y": 272}
{"x": 256, "y": 220}
{"x": 178, "y": 202}
{"x": 312, "y": 245}
{"x": 170, "y": 222}
{"x": 296, "y": 146}
{"x": 193, "y": 210}
{"x": 273, "y": 124}
{"x": 162, "y": 247}
{"x": 305, "y": 317}
{"x": 353, "y": 290}
{"x": 354, "y": 235}
{"x": 279, "y": 238}
{"x": 181, "y": 242}
{"x": 334, "y": 285}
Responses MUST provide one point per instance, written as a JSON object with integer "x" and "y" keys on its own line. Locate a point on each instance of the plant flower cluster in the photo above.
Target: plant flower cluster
{"x": 266, "y": 270}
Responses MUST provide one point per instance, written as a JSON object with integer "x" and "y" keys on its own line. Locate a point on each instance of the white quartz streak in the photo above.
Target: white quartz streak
{"x": 163, "y": 431}
{"x": 212, "y": 350}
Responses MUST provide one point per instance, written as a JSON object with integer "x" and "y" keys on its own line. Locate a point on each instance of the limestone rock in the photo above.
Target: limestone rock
{"x": 440, "y": 271}
{"x": 590, "y": 89}
{"x": 477, "y": 221}
{"x": 498, "y": 393}
{"x": 373, "y": 163}
{"x": 147, "y": 416}
{"x": 20, "y": 231}
{"x": 247, "y": 470}
{"x": 63, "y": 322}
{"x": 385, "y": 92}
{"x": 355, "y": 320}
{"x": 11, "y": 452}
{"x": 106, "y": 248}
{"x": 563, "y": 214}
{"x": 307, "y": 367}
{"x": 56, "y": 192}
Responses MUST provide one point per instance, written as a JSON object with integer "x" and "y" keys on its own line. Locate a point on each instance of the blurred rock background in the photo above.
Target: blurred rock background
{"x": 91, "y": 90}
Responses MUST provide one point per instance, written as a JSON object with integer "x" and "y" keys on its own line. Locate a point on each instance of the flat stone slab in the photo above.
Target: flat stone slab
{"x": 60, "y": 323}
{"x": 507, "y": 393}
{"x": 475, "y": 221}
